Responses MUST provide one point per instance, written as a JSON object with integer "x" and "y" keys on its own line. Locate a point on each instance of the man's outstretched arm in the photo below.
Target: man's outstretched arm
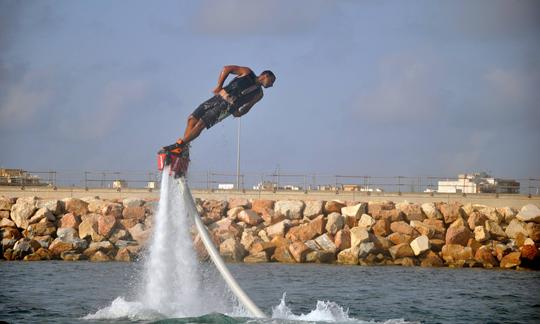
{"x": 230, "y": 69}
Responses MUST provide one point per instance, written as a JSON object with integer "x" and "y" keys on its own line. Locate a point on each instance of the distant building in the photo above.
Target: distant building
{"x": 265, "y": 185}
{"x": 478, "y": 183}
{"x": 225, "y": 186}
{"x": 292, "y": 187}
{"x": 19, "y": 177}
{"x": 118, "y": 184}
{"x": 151, "y": 185}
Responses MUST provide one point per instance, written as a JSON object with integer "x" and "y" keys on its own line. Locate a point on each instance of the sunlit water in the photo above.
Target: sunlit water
{"x": 170, "y": 286}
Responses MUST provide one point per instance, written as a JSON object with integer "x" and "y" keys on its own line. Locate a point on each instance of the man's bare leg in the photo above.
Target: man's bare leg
{"x": 194, "y": 131}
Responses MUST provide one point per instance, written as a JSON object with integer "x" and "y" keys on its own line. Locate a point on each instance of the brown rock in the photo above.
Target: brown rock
{"x": 334, "y": 223}
{"x": 348, "y": 256}
{"x": 139, "y": 233}
{"x": 238, "y": 202}
{"x": 260, "y": 257}
{"x": 76, "y": 206}
{"x": 307, "y": 231}
{"x": 10, "y": 233}
{"x": 382, "y": 227}
{"x": 249, "y": 217}
{"x": 299, "y": 250}
{"x": 511, "y": 260}
{"x": 123, "y": 255}
{"x": 58, "y": 246}
{"x": 266, "y": 247}
{"x": 22, "y": 211}
{"x": 278, "y": 229}
{"x": 214, "y": 210}
{"x": 42, "y": 228}
{"x": 70, "y": 220}
{"x": 129, "y": 223}
{"x": 5, "y": 203}
{"x": 381, "y": 243}
{"x": 484, "y": 255}
{"x": 270, "y": 217}
{"x": 431, "y": 259}
{"x": 423, "y": 229}
{"x": 4, "y": 214}
{"x": 375, "y": 208}
{"x": 105, "y": 225}
{"x": 136, "y": 213}
{"x": 343, "y": 239}
{"x": 438, "y": 226}
{"x": 114, "y": 209}
{"x": 71, "y": 256}
{"x": 457, "y": 255}
{"x": 529, "y": 252}
{"x": 333, "y": 206}
{"x": 89, "y": 229}
{"x": 232, "y": 251}
{"x": 282, "y": 254}
{"x": 99, "y": 256}
{"x": 431, "y": 211}
{"x": 262, "y": 205}
{"x": 411, "y": 212}
{"x": 451, "y": 211}
{"x": 289, "y": 209}
{"x": 313, "y": 208}
{"x": 398, "y": 238}
{"x": 6, "y": 222}
{"x": 533, "y": 229}
{"x": 403, "y": 228}
{"x": 436, "y": 244}
{"x": 458, "y": 235}
{"x": 401, "y": 250}
{"x": 405, "y": 262}
{"x": 474, "y": 245}
{"x": 393, "y": 215}
{"x": 476, "y": 219}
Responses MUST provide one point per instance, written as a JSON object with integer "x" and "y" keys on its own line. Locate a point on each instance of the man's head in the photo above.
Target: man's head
{"x": 267, "y": 78}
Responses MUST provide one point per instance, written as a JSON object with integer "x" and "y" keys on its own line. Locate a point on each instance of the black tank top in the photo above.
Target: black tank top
{"x": 242, "y": 90}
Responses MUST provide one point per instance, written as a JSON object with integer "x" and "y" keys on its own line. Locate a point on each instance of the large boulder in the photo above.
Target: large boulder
{"x": 313, "y": 208}
{"x": 24, "y": 247}
{"x": 133, "y": 202}
{"x": 278, "y": 229}
{"x": 325, "y": 243}
{"x": 106, "y": 224}
{"x": 214, "y": 210}
{"x": 137, "y": 213}
{"x": 529, "y": 213}
{"x": 365, "y": 249}
{"x": 401, "y": 251}
{"x": 6, "y": 222}
{"x": 103, "y": 246}
{"x": 76, "y": 206}
{"x": 431, "y": 259}
{"x": 533, "y": 231}
{"x": 232, "y": 213}
{"x": 376, "y": 208}
{"x": 457, "y": 255}
{"x": 484, "y": 255}
{"x": 411, "y": 212}
{"x": 403, "y": 228}
{"x": 431, "y": 211}
{"x": 343, "y": 239}
{"x": 399, "y": 238}
{"x": 382, "y": 227}
{"x": 5, "y": 203}
{"x": 420, "y": 245}
{"x": 333, "y": 206}
{"x": 290, "y": 209}
{"x": 249, "y": 217}
{"x": 259, "y": 257}
{"x": 44, "y": 227}
{"x": 334, "y": 223}
{"x": 495, "y": 230}
{"x": 307, "y": 231}
{"x": 22, "y": 211}
{"x": 359, "y": 235}
{"x": 42, "y": 213}
{"x": 232, "y": 251}
{"x": 508, "y": 213}
{"x": 423, "y": 229}
{"x": 139, "y": 233}
{"x": 124, "y": 255}
{"x": 348, "y": 256}
{"x": 238, "y": 202}
{"x": 299, "y": 250}
{"x": 511, "y": 260}
{"x": 458, "y": 235}
{"x": 89, "y": 229}
{"x": 262, "y": 206}
{"x": 492, "y": 214}
{"x": 53, "y": 205}
{"x": 451, "y": 211}
{"x": 248, "y": 238}
{"x": 366, "y": 221}
{"x": 476, "y": 219}
{"x": 354, "y": 211}
{"x": 438, "y": 226}
{"x": 515, "y": 227}
{"x": 481, "y": 234}
{"x": 100, "y": 256}
{"x": 70, "y": 220}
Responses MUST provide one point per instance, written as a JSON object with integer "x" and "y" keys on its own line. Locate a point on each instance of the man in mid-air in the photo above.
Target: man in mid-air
{"x": 236, "y": 99}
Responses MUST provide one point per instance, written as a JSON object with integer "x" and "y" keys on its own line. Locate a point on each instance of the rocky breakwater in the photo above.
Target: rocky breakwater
{"x": 74, "y": 229}
{"x": 252, "y": 231}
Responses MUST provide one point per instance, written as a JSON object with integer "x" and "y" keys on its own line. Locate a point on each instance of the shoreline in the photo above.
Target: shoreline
{"x": 362, "y": 232}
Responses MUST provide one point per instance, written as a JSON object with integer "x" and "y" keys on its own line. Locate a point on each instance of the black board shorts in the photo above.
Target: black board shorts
{"x": 212, "y": 111}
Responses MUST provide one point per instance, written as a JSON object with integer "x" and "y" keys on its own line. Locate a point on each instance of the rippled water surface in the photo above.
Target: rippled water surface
{"x": 66, "y": 292}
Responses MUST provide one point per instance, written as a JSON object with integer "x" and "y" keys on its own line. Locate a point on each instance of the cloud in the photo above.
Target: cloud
{"x": 245, "y": 17}
{"x": 21, "y": 102}
{"x": 404, "y": 91}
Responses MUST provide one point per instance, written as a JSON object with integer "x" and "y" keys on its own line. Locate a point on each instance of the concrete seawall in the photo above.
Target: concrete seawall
{"x": 362, "y": 231}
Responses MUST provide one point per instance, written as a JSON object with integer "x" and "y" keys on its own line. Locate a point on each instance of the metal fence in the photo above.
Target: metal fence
{"x": 276, "y": 182}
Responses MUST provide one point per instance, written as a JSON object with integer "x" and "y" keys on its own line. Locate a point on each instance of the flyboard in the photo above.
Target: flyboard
{"x": 178, "y": 167}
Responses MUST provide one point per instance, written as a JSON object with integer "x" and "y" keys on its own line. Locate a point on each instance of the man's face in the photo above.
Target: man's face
{"x": 267, "y": 81}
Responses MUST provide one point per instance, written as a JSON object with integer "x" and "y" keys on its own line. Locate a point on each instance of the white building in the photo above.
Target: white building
{"x": 478, "y": 183}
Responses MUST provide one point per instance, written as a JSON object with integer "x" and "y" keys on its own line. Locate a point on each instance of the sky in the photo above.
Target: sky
{"x": 382, "y": 88}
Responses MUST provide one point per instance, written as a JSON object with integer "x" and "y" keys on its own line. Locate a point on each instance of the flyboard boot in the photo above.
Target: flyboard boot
{"x": 175, "y": 155}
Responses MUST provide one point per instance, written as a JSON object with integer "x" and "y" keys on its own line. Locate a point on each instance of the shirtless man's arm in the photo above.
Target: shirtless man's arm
{"x": 230, "y": 69}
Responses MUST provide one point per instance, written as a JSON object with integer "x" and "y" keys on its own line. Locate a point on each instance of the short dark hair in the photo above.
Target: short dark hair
{"x": 269, "y": 73}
